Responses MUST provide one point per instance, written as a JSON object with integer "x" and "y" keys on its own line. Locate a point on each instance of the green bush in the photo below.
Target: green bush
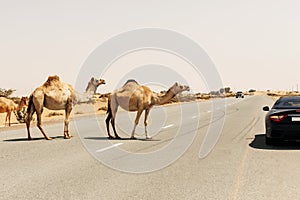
{"x": 5, "y": 92}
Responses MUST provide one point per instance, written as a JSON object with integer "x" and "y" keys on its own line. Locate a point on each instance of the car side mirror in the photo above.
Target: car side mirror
{"x": 266, "y": 108}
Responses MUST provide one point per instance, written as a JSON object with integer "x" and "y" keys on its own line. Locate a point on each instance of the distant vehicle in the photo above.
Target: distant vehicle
{"x": 283, "y": 120}
{"x": 239, "y": 94}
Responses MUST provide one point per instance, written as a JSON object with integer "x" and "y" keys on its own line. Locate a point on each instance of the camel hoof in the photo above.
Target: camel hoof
{"x": 30, "y": 138}
{"x": 48, "y": 138}
{"x": 110, "y": 137}
{"x": 148, "y": 138}
{"x": 117, "y": 137}
{"x": 133, "y": 138}
{"x": 67, "y": 137}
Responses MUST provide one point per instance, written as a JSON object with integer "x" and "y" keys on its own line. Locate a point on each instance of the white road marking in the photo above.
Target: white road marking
{"x": 168, "y": 126}
{"x": 110, "y": 147}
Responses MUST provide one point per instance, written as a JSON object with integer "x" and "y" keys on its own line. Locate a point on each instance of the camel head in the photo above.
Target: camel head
{"x": 97, "y": 82}
{"x": 177, "y": 88}
{"x": 101, "y": 82}
{"x": 93, "y": 84}
{"x": 24, "y": 101}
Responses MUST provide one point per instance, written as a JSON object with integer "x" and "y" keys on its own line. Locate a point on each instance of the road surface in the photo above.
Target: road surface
{"x": 88, "y": 166}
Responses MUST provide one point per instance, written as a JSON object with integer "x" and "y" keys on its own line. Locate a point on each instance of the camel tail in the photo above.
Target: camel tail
{"x": 30, "y": 107}
{"x": 108, "y": 107}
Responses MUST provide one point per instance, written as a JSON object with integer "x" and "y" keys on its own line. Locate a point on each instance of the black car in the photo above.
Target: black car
{"x": 283, "y": 120}
{"x": 239, "y": 94}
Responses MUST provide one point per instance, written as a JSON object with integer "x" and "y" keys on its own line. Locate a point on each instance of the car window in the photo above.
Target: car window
{"x": 290, "y": 103}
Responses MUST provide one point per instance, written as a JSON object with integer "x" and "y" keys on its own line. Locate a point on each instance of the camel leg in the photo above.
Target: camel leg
{"x": 30, "y": 111}
{"x": 39, "y": 124}
{"x": 28, "y": 120}
{"x": 114, "y": 128}
{"x": 146, "y": 123}
{"x": 66, "y": 128}
{"x": 6, "y": 118}
{"x": 114, "y": 108}
{"x": 9, "y": 115}
{"x": 137, "y": 119}
{"x": 112, "y": 119}
{"x": 107, "y": 124}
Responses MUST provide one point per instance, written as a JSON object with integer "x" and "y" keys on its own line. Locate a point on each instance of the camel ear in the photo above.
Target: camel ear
{"x": 92, "y": 79}
{"x": 176, "y": 84}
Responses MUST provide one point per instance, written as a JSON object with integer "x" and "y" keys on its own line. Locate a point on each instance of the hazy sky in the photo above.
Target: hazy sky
{"x": 253, "y": 43}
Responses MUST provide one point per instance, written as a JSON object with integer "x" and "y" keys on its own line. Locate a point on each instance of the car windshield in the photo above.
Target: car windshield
{"x": 287, "y": 103}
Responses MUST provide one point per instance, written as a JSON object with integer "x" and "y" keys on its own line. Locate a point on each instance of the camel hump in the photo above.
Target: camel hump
{"x": 131, "y": 81}
{"x": 51, "y": 80}
{"x": 147, "y": 90}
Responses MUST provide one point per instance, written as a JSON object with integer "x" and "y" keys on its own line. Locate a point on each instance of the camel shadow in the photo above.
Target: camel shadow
{"x": 259, "y": 142}
{"x": 120, "y": 139}
{"x": 33, "y": 139}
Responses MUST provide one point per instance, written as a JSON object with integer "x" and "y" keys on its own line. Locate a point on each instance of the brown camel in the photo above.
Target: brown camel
{"x": 135, "y": 97}
{"x": 8, "y": 106}
{"x": 93, "y": 85}
{"x": 54, "y": 95}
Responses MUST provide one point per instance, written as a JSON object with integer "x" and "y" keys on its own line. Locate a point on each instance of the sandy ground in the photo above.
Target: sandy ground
{"x": 277, "y": 94}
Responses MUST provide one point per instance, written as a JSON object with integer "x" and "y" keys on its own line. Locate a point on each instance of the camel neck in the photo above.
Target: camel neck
{"x": 166, "y": 98}
{"x": 19, "y": 106}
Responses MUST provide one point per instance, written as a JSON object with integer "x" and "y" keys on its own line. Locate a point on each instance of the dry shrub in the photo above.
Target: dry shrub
{"x": 52, "y": 114}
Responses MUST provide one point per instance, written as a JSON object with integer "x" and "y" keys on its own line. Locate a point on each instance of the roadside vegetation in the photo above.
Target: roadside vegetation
{"x": 7, "y": 93}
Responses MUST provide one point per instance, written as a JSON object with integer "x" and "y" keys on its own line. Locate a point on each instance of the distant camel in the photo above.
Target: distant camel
{"x": 93, "y": 85}
{"x": 8, "y": 106}
{"x": 134, "y": 97}
{"x": 54, "y": 95}
{"x": 87, "y": 96}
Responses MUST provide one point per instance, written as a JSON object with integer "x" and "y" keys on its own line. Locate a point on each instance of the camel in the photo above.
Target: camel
{"x": 54, "y": 95}
{"x": 134, "y": 97}
{"x": 87, "y": 96}
{"x": 8, "y": 106}
{"x": 93, "y": 85}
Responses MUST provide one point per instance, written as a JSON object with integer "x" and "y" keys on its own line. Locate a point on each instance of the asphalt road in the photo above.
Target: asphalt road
{"x": 173, "y": 165}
